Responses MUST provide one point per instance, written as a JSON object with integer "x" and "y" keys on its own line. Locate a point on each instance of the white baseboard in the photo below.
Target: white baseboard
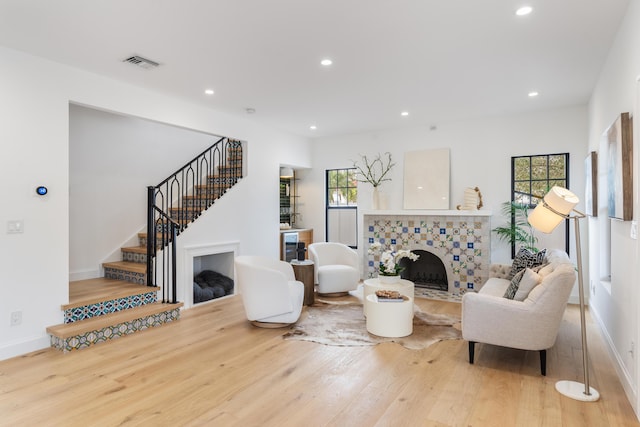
{"x": 623, "y": 374}
{"x": 23, "y": 346}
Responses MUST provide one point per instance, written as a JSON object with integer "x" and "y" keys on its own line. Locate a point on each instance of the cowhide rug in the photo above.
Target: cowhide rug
{"x": 343, "y": 324}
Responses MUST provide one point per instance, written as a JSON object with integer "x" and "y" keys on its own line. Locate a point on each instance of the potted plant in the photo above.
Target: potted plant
{"x": 518, "y": 231}
{"x": 389, "y": 268}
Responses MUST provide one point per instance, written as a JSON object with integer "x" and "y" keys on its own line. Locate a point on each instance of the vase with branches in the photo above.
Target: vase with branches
{"x": 518, "y": 231}
{"x": 374, "y": 171}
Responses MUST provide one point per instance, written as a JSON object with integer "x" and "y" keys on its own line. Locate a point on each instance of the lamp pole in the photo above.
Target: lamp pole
{"x": 571, "y": 388}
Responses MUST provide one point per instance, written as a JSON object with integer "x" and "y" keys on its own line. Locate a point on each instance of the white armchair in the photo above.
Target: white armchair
{"x": 271, "y": 295}
{"x": 337, "y": 267}
{"x": 531, "y": 324}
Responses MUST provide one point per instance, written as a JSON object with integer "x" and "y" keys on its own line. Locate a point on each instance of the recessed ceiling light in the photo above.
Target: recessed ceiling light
{"x": 404, "y": 113}
{"x": 524, "y": 10}
{"x": 250, "y": 110}
{"x": 209, "y": 91}
{"x": 313, "y": 127}
{"x": 326, "y": 62}
{"x": 533, "y": 94}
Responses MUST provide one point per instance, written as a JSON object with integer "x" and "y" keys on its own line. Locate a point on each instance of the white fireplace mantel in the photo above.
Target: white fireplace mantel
{"x": 421, "y": 212}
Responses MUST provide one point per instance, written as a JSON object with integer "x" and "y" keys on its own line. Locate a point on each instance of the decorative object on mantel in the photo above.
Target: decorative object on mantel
{"x": 375, "y": 173}
{"x": 389, "y": 268}
{"x": 518, "y": 231}
{"x": 472, "y": 200}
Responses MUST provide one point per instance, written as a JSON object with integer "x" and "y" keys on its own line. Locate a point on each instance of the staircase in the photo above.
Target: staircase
{"x": 125, "y": 300}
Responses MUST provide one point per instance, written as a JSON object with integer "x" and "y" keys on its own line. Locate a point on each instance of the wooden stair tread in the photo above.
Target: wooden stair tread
{"x": 134, "y": 267}
{"x": 92, "y": 291}
{"x": 199, "y": 197}
{"x": 136, "y": 249}
{"x": 67, "y": 330}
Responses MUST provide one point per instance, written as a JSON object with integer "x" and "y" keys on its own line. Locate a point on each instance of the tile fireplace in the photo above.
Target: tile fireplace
{"x": 460, "y": 239}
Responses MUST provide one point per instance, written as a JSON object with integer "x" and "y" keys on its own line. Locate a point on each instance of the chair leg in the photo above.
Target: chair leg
{"x": 543, "y": 362}
{"x": 471, "y": 351}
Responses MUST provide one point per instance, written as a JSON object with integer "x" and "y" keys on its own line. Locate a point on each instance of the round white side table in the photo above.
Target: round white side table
{"x": 405, "y": 287}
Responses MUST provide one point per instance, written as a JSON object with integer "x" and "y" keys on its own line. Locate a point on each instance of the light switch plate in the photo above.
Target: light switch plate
{"x": 634, "y": 230}
{"x": 15, "y": 227}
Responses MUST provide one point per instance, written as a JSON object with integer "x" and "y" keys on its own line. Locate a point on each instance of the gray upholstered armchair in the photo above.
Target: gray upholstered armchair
{"x": 531, "y": 324}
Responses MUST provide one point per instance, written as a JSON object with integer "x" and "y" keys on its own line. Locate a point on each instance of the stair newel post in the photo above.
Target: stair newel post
{"x": 151, "y": 235}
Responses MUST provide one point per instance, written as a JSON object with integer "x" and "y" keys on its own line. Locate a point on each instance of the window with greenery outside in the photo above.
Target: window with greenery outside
{"x": 531, "y": 178}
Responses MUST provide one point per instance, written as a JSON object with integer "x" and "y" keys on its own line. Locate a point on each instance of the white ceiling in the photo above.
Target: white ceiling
{"x": 441, "y": 60}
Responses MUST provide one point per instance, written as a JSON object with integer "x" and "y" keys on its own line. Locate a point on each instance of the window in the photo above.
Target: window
{"x": 342, "y": 204}
{"x": 342, "y": 188}
{"x": 531, "y": 178}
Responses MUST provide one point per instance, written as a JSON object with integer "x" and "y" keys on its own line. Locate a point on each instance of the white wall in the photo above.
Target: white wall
{"x": 34, "y": 106}
{"x": 616, "y": 310}
{"x": 112, "y": 160}
{"x": 481, "y": 152}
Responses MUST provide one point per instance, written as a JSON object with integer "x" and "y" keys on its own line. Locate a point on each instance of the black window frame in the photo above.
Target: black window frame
{"x": 550, "y": 181}
{"x": 329, "y": 206}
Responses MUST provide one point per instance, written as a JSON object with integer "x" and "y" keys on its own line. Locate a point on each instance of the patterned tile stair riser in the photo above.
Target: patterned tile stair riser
{"x": 115, "y": 331}
{"x": 86, "y": 312}
{"x": 129, "y": 276}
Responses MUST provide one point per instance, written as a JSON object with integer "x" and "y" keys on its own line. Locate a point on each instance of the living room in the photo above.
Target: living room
{"x": 37, "y": 93}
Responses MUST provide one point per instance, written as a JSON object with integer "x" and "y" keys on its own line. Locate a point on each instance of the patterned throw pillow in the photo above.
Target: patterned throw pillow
{"x": 513, "y": 286}
{"x": 525, "y": 258}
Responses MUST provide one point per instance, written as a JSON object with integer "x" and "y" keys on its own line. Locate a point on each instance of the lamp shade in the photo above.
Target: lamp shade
{"x": 555, "y": 206}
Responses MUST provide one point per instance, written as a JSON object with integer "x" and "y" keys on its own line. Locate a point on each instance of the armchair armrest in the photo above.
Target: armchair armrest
{"x": 504, "y": 322}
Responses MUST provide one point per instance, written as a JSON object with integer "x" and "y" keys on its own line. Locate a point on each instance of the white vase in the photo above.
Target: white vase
{"x": 375, "y": 201}
{"x": 388, "y": 280}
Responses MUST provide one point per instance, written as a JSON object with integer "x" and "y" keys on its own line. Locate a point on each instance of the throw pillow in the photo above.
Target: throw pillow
{"x": 525, "y": 258}
{"x": 530, "y": 280}
{"x": 510, "y": 293}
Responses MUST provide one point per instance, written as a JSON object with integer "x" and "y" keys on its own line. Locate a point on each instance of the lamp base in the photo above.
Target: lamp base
{"x": 575, "y": 390}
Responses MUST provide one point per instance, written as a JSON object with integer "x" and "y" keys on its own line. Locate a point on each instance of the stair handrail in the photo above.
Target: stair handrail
{"x": 167, "y": 214}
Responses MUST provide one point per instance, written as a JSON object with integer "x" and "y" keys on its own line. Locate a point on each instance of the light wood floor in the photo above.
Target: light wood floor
{"x": 213, "y": 368}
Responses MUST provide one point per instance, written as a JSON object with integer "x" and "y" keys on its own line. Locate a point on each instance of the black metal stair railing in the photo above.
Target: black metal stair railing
{"x": 179, "y": 200}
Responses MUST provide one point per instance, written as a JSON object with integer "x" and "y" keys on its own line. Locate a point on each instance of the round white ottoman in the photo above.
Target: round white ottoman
{"x": 389, "y": 319}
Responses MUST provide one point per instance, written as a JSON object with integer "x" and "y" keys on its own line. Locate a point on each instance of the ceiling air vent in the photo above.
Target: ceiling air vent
{"x": 141, "y": 62}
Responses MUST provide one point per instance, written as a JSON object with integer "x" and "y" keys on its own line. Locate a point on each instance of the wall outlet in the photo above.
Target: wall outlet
{"x": 633, "y": 349}
{"x": 16, "y": 318}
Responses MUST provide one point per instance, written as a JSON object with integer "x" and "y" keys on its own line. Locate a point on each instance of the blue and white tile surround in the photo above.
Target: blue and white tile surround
{"x": 461, "y": 239}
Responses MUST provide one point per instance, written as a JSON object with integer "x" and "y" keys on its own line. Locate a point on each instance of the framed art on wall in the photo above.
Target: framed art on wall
{"x": 619, "y": 168}
{"x": 591, "y": 184}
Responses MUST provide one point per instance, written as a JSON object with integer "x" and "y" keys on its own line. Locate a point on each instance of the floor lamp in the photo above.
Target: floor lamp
{"x": 557, "y": 205}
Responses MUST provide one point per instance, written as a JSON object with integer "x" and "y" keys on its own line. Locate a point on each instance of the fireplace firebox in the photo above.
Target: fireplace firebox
{"x": 427, "y": 271}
